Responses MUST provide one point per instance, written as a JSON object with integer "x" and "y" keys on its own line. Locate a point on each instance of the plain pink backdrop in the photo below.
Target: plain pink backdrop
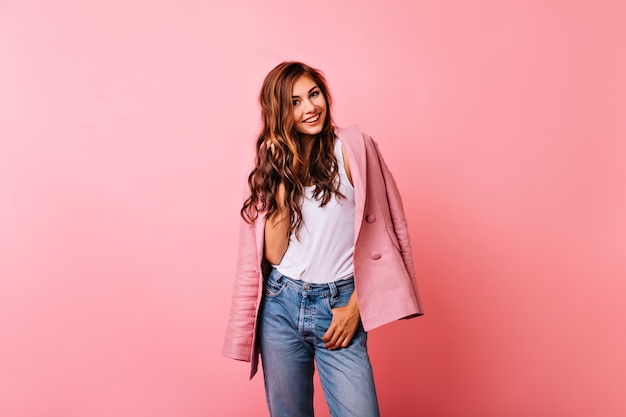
{"x": 126, "y": 131}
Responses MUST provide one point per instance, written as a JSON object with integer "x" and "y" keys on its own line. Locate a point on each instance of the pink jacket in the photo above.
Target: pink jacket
{"x": 384, "y": 275}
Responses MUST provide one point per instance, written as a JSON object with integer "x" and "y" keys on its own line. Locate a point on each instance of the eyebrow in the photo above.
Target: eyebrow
{"x": 312, "y": 88}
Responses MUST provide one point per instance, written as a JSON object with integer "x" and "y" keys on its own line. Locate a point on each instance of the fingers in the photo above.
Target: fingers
{"x": 342, "y": 342}
{"x": 338, "y": 341}
{"x": 334, "y": 340}
{"x": 338, "y": 335}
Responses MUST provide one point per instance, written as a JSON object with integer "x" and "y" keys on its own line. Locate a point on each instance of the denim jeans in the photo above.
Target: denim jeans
{"x": 293, "y": 318}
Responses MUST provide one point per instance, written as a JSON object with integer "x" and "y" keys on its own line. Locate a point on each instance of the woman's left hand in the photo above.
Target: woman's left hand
{"x": 343, "y": 325}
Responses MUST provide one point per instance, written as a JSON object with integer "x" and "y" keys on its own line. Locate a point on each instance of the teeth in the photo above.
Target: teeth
{"x": 312, "y": 119}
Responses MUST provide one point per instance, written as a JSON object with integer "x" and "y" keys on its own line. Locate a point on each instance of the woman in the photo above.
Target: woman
{"x": 324, "y": 252}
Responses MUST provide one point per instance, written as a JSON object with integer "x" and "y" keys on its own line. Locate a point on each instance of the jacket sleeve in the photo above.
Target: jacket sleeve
{"x": 240, "y": 328}
{"x": 399, "y": 222}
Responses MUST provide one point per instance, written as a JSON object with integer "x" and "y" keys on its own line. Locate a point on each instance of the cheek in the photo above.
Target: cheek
{"x": 322, "y": 104}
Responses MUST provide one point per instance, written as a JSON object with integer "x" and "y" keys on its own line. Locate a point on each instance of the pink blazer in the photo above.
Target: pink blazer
{"x": 384, "y": 275}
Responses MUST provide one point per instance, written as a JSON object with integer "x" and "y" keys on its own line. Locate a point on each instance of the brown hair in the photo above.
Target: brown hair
{"x": 279, "y": 156}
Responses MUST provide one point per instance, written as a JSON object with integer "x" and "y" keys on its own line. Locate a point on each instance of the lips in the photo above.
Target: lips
{"x": 312, "y": 119}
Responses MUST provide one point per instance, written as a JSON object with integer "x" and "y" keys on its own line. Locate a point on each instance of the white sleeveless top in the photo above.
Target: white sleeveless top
{"x": 324, "y": 251}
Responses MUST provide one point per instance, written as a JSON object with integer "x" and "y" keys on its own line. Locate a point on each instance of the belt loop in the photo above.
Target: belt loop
{"x": 333, "y": 289}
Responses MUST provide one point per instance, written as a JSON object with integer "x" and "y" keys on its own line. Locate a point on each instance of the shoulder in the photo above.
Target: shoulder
{"x": 352, "y": 136}
{"x": 360, "y": 146}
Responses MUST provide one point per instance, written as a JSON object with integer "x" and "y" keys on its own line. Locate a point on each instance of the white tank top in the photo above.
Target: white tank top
{"x": 324, "y": 251}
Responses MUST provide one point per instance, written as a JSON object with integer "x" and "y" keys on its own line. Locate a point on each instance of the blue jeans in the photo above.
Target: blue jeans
{"x": 294, "y": 316}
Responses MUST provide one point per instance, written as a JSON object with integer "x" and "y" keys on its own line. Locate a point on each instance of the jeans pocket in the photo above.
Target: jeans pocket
{"x": 339, "y": 300}
{"x": 273, "y": 288}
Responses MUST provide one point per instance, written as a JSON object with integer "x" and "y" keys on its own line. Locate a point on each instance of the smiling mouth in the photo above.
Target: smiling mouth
{"x": 312, "y": 119}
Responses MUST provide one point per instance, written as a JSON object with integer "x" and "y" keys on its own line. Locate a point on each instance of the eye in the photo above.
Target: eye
{"x": 295, "y": 102}
{"x": 315, "y": 94}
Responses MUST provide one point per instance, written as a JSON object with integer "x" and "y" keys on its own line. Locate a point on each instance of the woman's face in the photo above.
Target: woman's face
{"x": 309, "y": 107}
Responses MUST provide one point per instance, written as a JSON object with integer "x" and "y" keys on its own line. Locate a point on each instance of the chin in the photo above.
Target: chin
{"x": 311, "y": 133}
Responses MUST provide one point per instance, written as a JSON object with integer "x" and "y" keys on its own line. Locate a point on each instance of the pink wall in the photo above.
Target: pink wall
{"x": 126, "y": 130}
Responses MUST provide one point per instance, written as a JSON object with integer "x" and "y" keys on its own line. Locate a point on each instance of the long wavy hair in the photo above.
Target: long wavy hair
{"x": 279, "y": 151}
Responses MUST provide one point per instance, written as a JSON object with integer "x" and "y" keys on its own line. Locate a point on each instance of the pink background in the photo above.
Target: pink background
{"x": 126, "y": 132}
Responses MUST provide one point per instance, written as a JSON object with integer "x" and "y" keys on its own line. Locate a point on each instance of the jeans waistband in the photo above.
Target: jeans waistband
{"x": 334, "y": 287}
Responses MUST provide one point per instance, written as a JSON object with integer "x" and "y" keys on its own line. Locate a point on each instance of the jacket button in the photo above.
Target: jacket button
{"x": 375, "y": 256}
{"x": 370, "y": 218}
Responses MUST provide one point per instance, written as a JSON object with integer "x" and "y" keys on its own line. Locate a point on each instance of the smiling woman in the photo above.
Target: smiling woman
{"x": 307, "y": 290}
{"x": 309, "y": 107}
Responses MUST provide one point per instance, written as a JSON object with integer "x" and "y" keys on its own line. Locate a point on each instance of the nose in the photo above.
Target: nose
{"x": 308, "y": 106}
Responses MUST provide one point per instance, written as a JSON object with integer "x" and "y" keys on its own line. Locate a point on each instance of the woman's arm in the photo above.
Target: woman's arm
{"x": 277, "y": 230}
